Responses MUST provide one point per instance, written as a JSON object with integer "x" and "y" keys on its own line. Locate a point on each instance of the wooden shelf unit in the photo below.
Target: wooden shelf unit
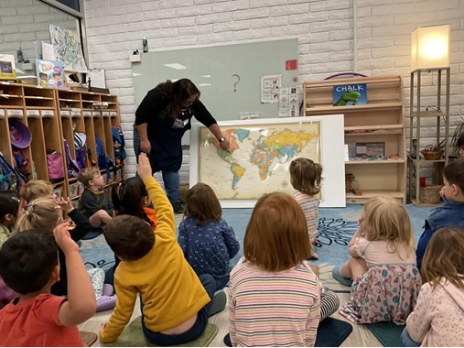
{"x": 53, "y": 115}
{"x": 416, "y": 114}
{"x": 382, "y": 117}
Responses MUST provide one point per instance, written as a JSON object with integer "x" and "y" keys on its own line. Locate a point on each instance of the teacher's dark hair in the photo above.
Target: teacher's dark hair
{"x": 178, "y": 92}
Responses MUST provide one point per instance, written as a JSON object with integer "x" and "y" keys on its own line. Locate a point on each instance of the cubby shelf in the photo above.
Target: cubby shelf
{"x": 380, "y": 120}
{"x": 39, "y": 109}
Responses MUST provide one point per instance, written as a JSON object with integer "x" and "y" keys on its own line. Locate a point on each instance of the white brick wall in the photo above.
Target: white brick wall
{"x": 24, "y": 21}
{"x": 324, "y": 29}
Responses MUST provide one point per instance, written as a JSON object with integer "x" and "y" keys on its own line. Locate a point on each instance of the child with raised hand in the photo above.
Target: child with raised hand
{"x": 275, "y": 298}
{"x": 438, "y": 317}
{"x": 382, "y": 271}
{"x": 451, "y": 212}
{"x": 175, "y": 303}
{"x": 46, "y": 213}
{"x": 30, "y": 266}
{"x": 11, "y": 209}
{"x": 94, "y": 203}
{"x": 131, "y": 198}
{"x": 34, "y": 189}
{"x": 305, "y": 177}
{"x": 207, "y": 241}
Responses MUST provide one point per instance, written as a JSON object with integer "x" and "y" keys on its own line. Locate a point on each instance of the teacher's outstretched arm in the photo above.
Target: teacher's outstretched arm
{"x": 223, "y": 142}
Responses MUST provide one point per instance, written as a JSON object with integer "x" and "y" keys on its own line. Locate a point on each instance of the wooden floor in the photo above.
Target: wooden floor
{"x": 360, "y": 337}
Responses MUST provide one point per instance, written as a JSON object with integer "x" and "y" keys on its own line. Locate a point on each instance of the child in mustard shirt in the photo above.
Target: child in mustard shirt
{"x": 175, "y": 302}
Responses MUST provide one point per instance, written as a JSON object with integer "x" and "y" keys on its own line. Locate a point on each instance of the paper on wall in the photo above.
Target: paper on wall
{"x": 48, "y": 52}
{"x": 97, "y": 78}
{"x": 289, "y": 101}
{"x": 270, "y": 85}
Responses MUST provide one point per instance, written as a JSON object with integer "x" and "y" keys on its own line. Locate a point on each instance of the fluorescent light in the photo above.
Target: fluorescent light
{"x": 204, "y": 84}
{"x": 175, "y": 66}
{"x": 206, "y": 76}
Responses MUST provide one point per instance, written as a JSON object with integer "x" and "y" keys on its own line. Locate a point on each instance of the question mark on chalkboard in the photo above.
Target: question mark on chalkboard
{"x": 236, "y": 83}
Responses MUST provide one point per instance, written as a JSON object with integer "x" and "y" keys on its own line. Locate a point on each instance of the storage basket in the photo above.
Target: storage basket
{"x": 432, "y": 155}
{"x": 430, "y": 194}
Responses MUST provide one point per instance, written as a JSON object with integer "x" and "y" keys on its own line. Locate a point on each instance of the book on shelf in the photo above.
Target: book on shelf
{"x": 350, "y": 94}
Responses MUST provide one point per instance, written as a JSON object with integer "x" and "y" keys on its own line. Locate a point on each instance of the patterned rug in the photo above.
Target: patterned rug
{"x": 336, "y": 228}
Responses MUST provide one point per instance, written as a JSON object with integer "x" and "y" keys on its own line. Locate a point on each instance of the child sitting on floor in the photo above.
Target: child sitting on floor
{"x": 131, "y": 198}
{"x": 175, "y": 303}
{"x": 30, "y": 266}
{"x": 382, "y": 271}
{"x": 306, "y": 176}
{"x": 207, "y": 241}
{"x": 275, "y": 298}
{"x": 35, "y": 189}
{"x": 11, "y": 209}
{"x": 94, "y": 203}
{"x": 45, "y": 213}
{"x": 438, "y": 317}
{"x": 451, "y": 212}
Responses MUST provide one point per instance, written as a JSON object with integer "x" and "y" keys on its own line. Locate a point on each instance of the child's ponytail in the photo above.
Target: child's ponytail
{"x": 39, "y": 214}
{"x": 127, "y": 197}
{"x": 306, "y": 176}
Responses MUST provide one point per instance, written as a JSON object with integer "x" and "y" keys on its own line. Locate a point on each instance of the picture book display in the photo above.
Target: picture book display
{"x": 50, "y": 73}
{"x": 352, "y": 94}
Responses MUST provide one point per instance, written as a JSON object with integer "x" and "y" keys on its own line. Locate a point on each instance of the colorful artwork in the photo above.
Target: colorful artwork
{"x": 68, "y": 50}
{"x": 352, "y": 94}
{"x": 49, "y": 73}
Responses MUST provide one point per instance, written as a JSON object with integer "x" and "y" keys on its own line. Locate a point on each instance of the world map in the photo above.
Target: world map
{"x": 258, "y": 158}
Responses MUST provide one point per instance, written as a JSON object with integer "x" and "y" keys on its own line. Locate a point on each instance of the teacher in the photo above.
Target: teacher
{"x": 160, "y": 122}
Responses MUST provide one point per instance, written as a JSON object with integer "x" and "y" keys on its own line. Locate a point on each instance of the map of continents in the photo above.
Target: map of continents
{"x": 258, "y": 158}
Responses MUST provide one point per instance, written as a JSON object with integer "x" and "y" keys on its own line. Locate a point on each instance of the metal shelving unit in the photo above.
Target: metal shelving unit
{"x": 417, "y": 114}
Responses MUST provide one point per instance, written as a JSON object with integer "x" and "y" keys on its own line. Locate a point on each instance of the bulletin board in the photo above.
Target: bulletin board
{"x": 214, "y": 70}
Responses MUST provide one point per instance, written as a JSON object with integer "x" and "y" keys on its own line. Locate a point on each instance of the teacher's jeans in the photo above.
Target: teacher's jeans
{"x": 171, "y": 179}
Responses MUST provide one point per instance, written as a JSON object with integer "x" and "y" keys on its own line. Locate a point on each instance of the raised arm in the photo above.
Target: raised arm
{"x": 81, "y": 304}
{"x": 165, "y": 224}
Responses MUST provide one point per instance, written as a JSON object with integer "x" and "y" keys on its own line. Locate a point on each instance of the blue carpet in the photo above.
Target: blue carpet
{"x": 336, "y": 228}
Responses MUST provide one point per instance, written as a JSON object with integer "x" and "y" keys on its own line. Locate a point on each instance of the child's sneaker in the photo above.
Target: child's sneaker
{"x": 218, "y": 303}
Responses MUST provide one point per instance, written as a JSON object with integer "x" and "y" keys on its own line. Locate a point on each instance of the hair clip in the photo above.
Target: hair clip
{"x": 30, "y": 204}
{"x": 16, "y": 199}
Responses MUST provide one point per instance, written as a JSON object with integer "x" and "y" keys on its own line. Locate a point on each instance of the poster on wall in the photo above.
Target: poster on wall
{"x": 7, "y": 67}
{"x": 352, "y": 94}
{"x": 289, "y": 101}
{"x": 68, "y": 50}
{"x": 49, "y": 73}
{"x": 270, "y": 85}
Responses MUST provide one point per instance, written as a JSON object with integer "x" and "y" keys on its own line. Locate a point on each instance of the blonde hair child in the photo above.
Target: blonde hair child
{"x": 35, "y": 189}
{"x": 305, "y": 177}
{"x": 275, "y": 250}
{"x": 382, "y": 265}
{"x": 437, "y": 319}
{"x": 45, "y": 214}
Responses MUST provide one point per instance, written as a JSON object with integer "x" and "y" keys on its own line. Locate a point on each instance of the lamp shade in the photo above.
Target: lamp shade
{"x": 430, "y": 47}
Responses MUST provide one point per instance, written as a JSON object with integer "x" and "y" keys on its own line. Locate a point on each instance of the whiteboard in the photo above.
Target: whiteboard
{"x": 212, "y": 70}
{"x": 332, "y": 156}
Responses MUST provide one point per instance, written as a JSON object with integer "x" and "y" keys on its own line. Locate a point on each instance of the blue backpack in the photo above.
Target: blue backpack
{"x": 119, "y": 143}
{"x": 103, "y": 160}
{"x": 10, "y": 179}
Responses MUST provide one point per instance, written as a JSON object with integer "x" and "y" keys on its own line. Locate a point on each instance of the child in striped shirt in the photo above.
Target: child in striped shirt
{"x": 306, "y": 176}
{"x": 275, "y": 299}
